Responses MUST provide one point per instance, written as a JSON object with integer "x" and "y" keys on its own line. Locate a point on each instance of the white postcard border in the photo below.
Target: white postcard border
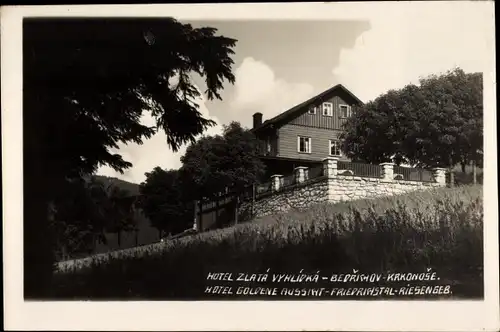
{"x": 221, "y": 315}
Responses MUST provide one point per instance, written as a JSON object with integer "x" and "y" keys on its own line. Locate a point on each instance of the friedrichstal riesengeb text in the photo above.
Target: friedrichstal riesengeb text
{"x": 321, "y": 284}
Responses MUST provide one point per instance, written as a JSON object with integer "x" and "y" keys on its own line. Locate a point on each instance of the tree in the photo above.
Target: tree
{"x": 79, "y": 217}
{"x": 164, "y": 202}
{"x": 222, "y": 163}
{"x": 85, "y": 210}
{"x": 454, "y": 111}
{"x": 87, "y": 82}
{"x": 119, "y": 211}
{"x": 435, "y": 124}
{"x": 375, "y": 132}
{"x": 228, "y": 161}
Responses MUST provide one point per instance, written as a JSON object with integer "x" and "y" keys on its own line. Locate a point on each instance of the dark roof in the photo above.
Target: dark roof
{"x": 301, "y": 106}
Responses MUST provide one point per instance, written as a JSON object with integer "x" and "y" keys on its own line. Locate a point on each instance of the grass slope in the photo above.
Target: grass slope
{"x": 439, "y": 230}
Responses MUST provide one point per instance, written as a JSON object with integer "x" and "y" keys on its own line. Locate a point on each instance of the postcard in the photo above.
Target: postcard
{"x": 323, "y": 166}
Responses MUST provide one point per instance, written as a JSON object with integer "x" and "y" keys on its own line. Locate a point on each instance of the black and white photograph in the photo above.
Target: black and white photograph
{"x": 226, "y": 155}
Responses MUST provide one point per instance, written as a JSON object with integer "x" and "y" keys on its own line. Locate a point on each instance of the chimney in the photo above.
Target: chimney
{"x": 257, "y": 119}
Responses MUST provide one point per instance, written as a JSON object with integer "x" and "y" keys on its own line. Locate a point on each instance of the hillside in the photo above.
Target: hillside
{"x": 439, "y": 230}
{"x": 132, "y": 188}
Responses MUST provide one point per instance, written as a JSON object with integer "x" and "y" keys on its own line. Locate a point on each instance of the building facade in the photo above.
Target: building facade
{"x": 307, "y": 133}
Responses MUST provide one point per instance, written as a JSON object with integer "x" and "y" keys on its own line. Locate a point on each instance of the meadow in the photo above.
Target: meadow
{"x": 439, "y": 230}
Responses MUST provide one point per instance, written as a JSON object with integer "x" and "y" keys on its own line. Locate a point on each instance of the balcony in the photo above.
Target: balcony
{"x": 270, "y": 151}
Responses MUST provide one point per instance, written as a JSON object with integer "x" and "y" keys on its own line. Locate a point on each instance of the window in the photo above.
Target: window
{"x": 335, "y": 148}
{"x": 312, "y": 110}
{"x": 345, "y": 111}
{"x": 327, "y": 109}
{"x": 304, "y": 144}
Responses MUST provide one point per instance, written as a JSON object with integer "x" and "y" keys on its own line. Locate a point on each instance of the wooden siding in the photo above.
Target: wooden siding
{"x": 319, "y": 120}
{"x": 319, "y": 141}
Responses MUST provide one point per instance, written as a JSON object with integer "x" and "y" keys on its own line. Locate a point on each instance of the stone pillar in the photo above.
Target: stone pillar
{"x": 439, "y": 175}
{"x": 195, "y": 224}
{"x": 330, "y": 166}
{"x": 387, "y": 171}
{"x": 276, "y": 182}
{"x": 300, "y": 174}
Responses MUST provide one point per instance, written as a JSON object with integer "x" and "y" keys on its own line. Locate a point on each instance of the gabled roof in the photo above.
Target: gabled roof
{"x": 301, "y": 106}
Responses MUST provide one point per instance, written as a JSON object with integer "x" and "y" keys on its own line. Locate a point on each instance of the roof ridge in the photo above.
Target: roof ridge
{"x": 304, "y": 103}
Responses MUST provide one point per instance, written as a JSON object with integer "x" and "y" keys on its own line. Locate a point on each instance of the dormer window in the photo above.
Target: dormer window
{"x": 312, "y": 110}
{"x": 327, "y": 109}
{"x": 345, "y": 111}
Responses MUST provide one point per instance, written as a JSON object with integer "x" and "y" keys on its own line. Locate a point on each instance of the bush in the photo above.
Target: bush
{"x": 440, "y": 229}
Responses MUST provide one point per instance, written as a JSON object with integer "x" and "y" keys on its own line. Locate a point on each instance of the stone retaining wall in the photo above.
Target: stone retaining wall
{"x": 332, "y": 187}
{"x": 298, "y": 196}
{"x": 346, "y": 188}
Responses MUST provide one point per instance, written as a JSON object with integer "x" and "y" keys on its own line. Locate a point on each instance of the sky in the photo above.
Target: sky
{"x": 278, "y": 64}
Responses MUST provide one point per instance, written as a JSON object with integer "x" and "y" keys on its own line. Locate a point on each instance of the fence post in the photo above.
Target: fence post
{"x": 387, "y": 171}
{"x": 439, "y": 175}
{"x": 300, "y": 174}
{"x": 200, "y": 215}
{"x": 330, "y": 166}
{"x": 276, "y": 182}
{"x": 195, "y": 222}
{"x": 236, "y": 208}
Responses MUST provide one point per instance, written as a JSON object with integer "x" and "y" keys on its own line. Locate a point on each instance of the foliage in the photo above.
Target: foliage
{"x": 88, "y": 91}
{"x": 99, "y": 95}
{"x": 85, "y": 211}
{"x": 216, "y": 163}
{"x": 438, "y": 123}
{"x": 440, "y": 229}
{"x": 162, "y": 199}
{"x": 119, "y": 211}
{"x": 79, "y": 217}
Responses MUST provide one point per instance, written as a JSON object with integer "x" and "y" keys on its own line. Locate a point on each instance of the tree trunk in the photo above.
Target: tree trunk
{"x": 237, "y": 200}
{"x": 136, "y": 237}
{"x": 95, "y": 242}
{"x": 64, "y": 253}
{"x": 217, "y": 210}
{"x": 200, "y": 213}
{"x": 119, "y": 237}
{"x": 38, "y": 181}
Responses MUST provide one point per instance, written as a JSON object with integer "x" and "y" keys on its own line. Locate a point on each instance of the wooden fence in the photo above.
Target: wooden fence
{"x": 413, "y": 174}
{"x": 359, "y": 169}
{"x": 222, "y": 210}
